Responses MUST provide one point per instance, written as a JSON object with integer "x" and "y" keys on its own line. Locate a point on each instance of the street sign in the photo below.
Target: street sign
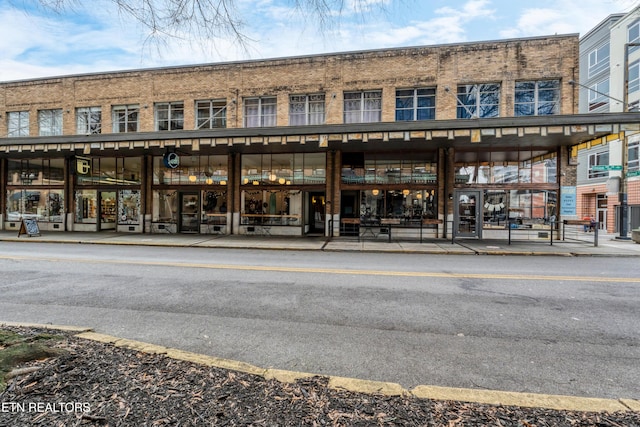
{"x": 597, "y": 168}
{"x": 633, "y": 173}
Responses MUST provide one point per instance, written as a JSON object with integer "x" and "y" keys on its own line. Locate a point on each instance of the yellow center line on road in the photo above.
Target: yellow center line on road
{"x": 280, "y": 269}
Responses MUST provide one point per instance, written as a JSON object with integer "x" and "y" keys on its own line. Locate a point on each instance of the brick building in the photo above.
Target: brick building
{"x": 433, "y": 139}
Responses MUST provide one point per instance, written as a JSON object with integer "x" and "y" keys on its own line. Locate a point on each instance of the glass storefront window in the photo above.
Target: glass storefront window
{"x": 522, "y": 208}
{"x": 273, "y": 207}
{"x": 109, "y": 171}
{"x": 192, "y": 170}
{"x": 42, "y": 205}
{"x": 214, "y": 207}
{"x": 36, "y": 189}
{"x": 86, "y": 206}
{"x": 128, "y": 207}
{"x": 371, "y": 170}
{"x": 315, "y": 168}
{"x": 165, "y": 206}
{"x": 505, "y": 168}
{"x": 403, "y": 204}
{"x": 283, "y": 169}
{"x": 31, "y": 172}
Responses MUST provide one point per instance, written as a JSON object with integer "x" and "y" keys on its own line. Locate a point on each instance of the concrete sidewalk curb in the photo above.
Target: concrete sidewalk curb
{"x": 489, "y": 397}
{"x": 489, "y": 247}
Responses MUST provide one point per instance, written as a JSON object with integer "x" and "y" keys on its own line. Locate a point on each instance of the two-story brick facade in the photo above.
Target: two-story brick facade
{"x": 450, "y": 138}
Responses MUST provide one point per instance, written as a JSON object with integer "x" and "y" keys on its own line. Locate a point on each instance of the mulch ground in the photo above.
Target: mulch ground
{"x": 95, "y": 384}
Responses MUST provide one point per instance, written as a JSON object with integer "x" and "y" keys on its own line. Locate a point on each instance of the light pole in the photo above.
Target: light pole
{"x": 622, "y": 195}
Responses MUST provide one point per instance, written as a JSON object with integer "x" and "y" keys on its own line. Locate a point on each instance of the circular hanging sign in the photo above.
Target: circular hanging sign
{"x": 171, "y": 160}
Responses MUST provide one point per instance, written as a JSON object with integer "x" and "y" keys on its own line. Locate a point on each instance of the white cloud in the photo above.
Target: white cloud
{"x": 99, "y": 39}
{"x": 565, "y": 16}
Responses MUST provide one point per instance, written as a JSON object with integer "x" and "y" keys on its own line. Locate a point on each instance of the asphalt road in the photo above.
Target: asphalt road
{"x": 552, "y": 325}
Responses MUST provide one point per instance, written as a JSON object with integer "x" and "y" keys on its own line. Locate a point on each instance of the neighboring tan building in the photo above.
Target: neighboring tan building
{"x": 432, "y": 139}
{"x": 605, "y": 87}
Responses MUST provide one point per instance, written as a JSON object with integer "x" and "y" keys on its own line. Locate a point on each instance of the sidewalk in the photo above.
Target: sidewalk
{"x": 608, "y": 245}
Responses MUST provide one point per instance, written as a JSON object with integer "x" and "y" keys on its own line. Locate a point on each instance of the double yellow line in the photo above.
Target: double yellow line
{"x": 342, "y": 271}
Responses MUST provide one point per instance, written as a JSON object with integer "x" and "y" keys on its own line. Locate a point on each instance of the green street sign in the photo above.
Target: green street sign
{"x": 633, "y": 173}
{"x": 598, "y": 168}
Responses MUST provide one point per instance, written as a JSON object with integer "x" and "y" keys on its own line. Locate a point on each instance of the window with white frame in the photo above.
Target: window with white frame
{"x": 260, "y": 112}
{"x": 633, "y": 35}
{"x": 599, "y": 95}
{"x": 415, "y": 104}
{"x": 634, "y": 76}
{"x": 633, "y": 159}
{"x": 537, "y": 98}
{"x": 478, "y": 101}
{"x": 50, "y": 122}
{"x": 125, "y": 118}
{"x": 363, "y": 107}
{"x": 306, "y": 109}
{"x": 88, "y": 120}
{"x": 170, "y": 116}
{"x": 211, "y": 114}
{"x": 17, "y": 123}
{"x": 598, "y": 159}
{"x": 599, "y": 59}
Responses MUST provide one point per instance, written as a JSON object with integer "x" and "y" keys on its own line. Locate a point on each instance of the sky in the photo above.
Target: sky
{"x": 94, "y": 36}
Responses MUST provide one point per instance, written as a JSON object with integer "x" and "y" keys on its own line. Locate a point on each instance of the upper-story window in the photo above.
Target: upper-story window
{"x": 125, "y": 118}
{"x": 17, "y": 123}
{"x": 598, "y": 159}
{"x": 415, "y": 104}
{"x": 50, "y": 122}
{"x": 88, "y": 120}
{"x": 260, "y": 112}
{"x": 211, "y": 113}
{"x": 633, "y": 35}
{"x": 599, "y": 95}
{"x": 478, "y": 101}
{"x": 170, "y": 116}
{"x": 363, "y": 107}
{"x": 306, "y": 109}
{"x": 634, "y": 76}
{"x": 633, "y": 159}
{"x": 599, "y": 59}
{"x": 537, "y": 98}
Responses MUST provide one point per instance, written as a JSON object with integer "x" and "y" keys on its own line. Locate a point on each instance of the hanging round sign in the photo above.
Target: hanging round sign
{"x": 171, "y": 160}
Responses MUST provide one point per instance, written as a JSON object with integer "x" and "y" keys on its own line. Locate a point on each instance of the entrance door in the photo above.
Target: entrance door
{"x": 601, "y": 209}
{"x": 108, "y": 210}
{"x": 189, "y": 213}
{"x": 467, "y": 210}
{"x": 316, "y": 213}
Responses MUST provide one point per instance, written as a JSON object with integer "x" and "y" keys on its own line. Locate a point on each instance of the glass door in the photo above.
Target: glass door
{"x": 108, "y": 210}
{"x": 316, "y": 215}
{"x": 467, "y": 221}
{"x": 189, "y": 213}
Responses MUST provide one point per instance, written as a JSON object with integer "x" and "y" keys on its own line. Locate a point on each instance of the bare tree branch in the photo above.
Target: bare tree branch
{"x": 197, "y": 20}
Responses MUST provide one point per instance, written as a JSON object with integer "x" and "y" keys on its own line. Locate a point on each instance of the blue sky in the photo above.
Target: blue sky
{"x": 36, "y": 43}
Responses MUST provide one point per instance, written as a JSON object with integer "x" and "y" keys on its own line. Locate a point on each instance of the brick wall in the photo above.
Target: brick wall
{"x": 441, "y": 66}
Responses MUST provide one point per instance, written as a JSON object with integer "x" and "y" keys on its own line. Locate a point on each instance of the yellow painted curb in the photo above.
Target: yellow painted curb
{"x": 365, "y": 386}
{"x": 489, "y": 397}
{"x": 633, "y": 404}
{"x": 285, "y": 376}
{"x": 174, "y": 353}
{"x": 215, "y": 362}
{"x": 46, "y": 326}
{"x": 531, "y": 400}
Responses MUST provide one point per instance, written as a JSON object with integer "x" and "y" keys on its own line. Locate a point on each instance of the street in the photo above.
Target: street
{"x": 539, "y": 324}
